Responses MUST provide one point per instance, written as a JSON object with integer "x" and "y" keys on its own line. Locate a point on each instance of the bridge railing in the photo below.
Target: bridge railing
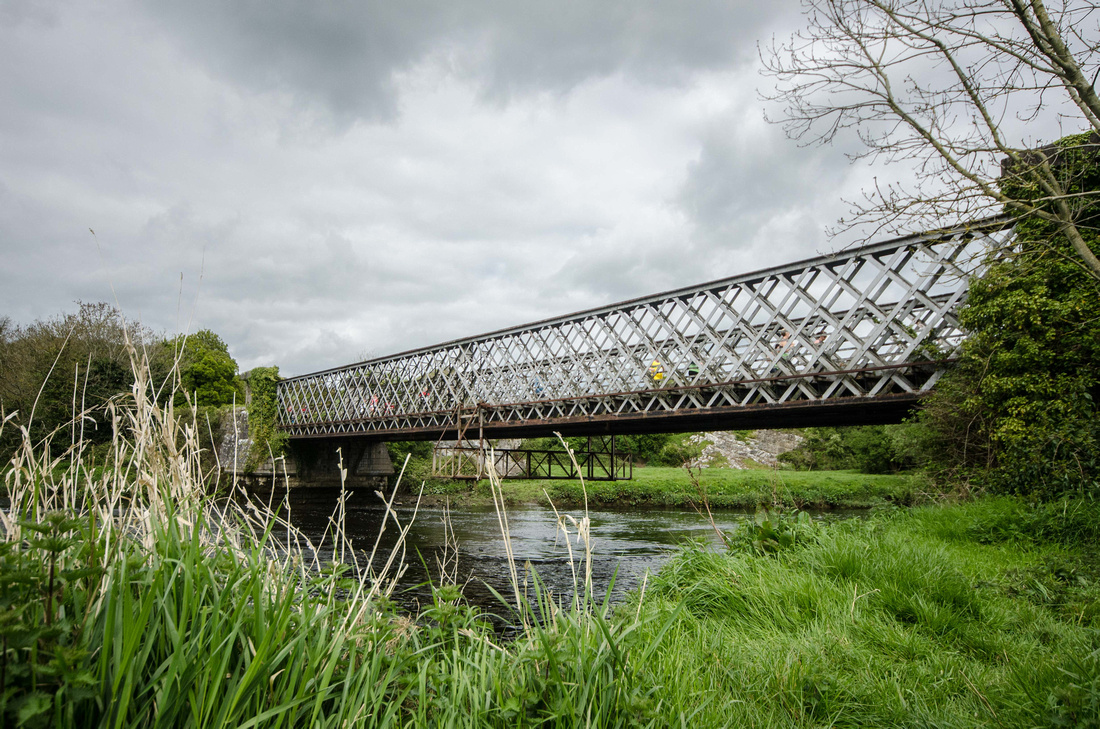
{"x": 870, "y": 322}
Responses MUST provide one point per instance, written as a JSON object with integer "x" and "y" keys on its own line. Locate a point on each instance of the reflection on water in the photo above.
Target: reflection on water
{"x": 626, "y": 542}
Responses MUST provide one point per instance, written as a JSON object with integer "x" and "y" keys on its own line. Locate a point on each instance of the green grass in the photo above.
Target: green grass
{"x": 905, "y": 620}
{"x": 176, "y": 632}
{"x": 724, "y": 487}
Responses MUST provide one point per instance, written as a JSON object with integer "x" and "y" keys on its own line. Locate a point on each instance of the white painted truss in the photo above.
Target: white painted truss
{"x": 874, "y": 322}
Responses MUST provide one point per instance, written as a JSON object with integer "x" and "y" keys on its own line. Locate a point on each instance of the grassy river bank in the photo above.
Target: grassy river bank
{"x": 174, "y": 612}
{"x": 724, "y": 488}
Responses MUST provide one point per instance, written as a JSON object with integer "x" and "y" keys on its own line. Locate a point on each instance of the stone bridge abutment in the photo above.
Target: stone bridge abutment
{"x": 314, "y": 462}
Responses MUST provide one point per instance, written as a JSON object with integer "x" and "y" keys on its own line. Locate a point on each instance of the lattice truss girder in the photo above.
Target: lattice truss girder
{"x": 874, "y": 321}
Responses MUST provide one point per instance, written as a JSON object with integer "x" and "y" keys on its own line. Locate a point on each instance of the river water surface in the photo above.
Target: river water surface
{"x": 626, "y": 543}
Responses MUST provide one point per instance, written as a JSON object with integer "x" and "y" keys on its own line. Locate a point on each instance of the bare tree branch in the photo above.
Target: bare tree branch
{"x": 958, "y": 88}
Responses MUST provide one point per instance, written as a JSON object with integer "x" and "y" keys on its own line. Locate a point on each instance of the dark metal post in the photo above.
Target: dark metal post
{"x": 614, "y": 471}
{"x": 590, "y": 471}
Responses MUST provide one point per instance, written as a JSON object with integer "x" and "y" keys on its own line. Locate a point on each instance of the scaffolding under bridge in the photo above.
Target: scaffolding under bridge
{"x": 599, "y": 461}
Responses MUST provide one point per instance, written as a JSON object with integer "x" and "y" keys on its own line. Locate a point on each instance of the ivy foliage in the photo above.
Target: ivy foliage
{"x": 1020, "y": 411}
{"x": 208, "y": 373}
{"x": 263, "y": 416}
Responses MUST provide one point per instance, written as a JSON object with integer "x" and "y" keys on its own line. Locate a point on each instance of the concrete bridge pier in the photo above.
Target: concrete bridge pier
{"x": 317, "y": 461}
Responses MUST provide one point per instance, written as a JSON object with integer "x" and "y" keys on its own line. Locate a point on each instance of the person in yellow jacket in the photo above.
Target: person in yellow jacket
{"x": 656, "y": 371}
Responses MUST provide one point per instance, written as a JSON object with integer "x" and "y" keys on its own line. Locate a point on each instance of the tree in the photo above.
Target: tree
{"x": 60, "y": 367}
{"x": 208, "y": 373}
{"x": 959, "y": 88}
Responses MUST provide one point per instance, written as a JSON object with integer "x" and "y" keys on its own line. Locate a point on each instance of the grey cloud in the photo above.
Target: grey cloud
{"x": 46, "y": 256}
{"x": 749, "y": 181}
{"x": 15, "y": 12}
{"x": 344, "y": 55}
{"x": 463, "y": 216}
{"x": 557, "y": 45}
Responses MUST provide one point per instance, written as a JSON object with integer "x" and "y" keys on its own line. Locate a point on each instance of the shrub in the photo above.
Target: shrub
{"x": 869, "y": 449}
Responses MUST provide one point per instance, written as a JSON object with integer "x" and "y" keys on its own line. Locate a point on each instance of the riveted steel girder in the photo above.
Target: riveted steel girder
{"x": 871, "y": 329}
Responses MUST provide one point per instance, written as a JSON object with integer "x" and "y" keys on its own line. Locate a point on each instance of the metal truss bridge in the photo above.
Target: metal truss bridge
{"x": 853, "y": 338}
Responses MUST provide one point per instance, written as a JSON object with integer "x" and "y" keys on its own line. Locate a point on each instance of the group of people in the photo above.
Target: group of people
{"x": 786, "y": 349}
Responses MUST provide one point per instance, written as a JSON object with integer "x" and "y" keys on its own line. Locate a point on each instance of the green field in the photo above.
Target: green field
{"x": 723, "y": 487}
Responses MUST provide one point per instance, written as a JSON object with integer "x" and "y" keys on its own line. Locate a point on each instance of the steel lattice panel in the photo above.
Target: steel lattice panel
{"x": 874, "y": 322}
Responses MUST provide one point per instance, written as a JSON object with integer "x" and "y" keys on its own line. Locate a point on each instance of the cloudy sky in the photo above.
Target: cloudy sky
{"x": 319, "y": 182}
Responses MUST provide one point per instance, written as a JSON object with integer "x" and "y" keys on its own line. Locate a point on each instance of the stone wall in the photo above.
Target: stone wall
{"x": 233, "y": 454}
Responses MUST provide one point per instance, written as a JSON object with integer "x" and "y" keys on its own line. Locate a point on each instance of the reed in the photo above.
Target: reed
{"x": 129, "y": 596}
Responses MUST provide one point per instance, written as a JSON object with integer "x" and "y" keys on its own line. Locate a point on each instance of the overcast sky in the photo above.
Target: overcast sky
{"x": 323, "y": 181}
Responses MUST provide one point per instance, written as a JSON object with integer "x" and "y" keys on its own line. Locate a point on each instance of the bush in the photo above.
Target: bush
{"x": 419, "y": 468}
{"x": 869, "y": 449}
{"x": 677, "y": 450}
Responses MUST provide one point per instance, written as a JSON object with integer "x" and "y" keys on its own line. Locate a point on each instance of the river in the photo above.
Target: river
{"x": 626, "y": 542}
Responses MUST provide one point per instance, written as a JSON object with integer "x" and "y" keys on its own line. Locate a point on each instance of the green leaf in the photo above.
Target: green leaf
{"x": 33, "y": 708}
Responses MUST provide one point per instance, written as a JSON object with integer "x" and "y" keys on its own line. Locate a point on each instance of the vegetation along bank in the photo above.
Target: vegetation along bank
{"x": 177, "y": 612}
